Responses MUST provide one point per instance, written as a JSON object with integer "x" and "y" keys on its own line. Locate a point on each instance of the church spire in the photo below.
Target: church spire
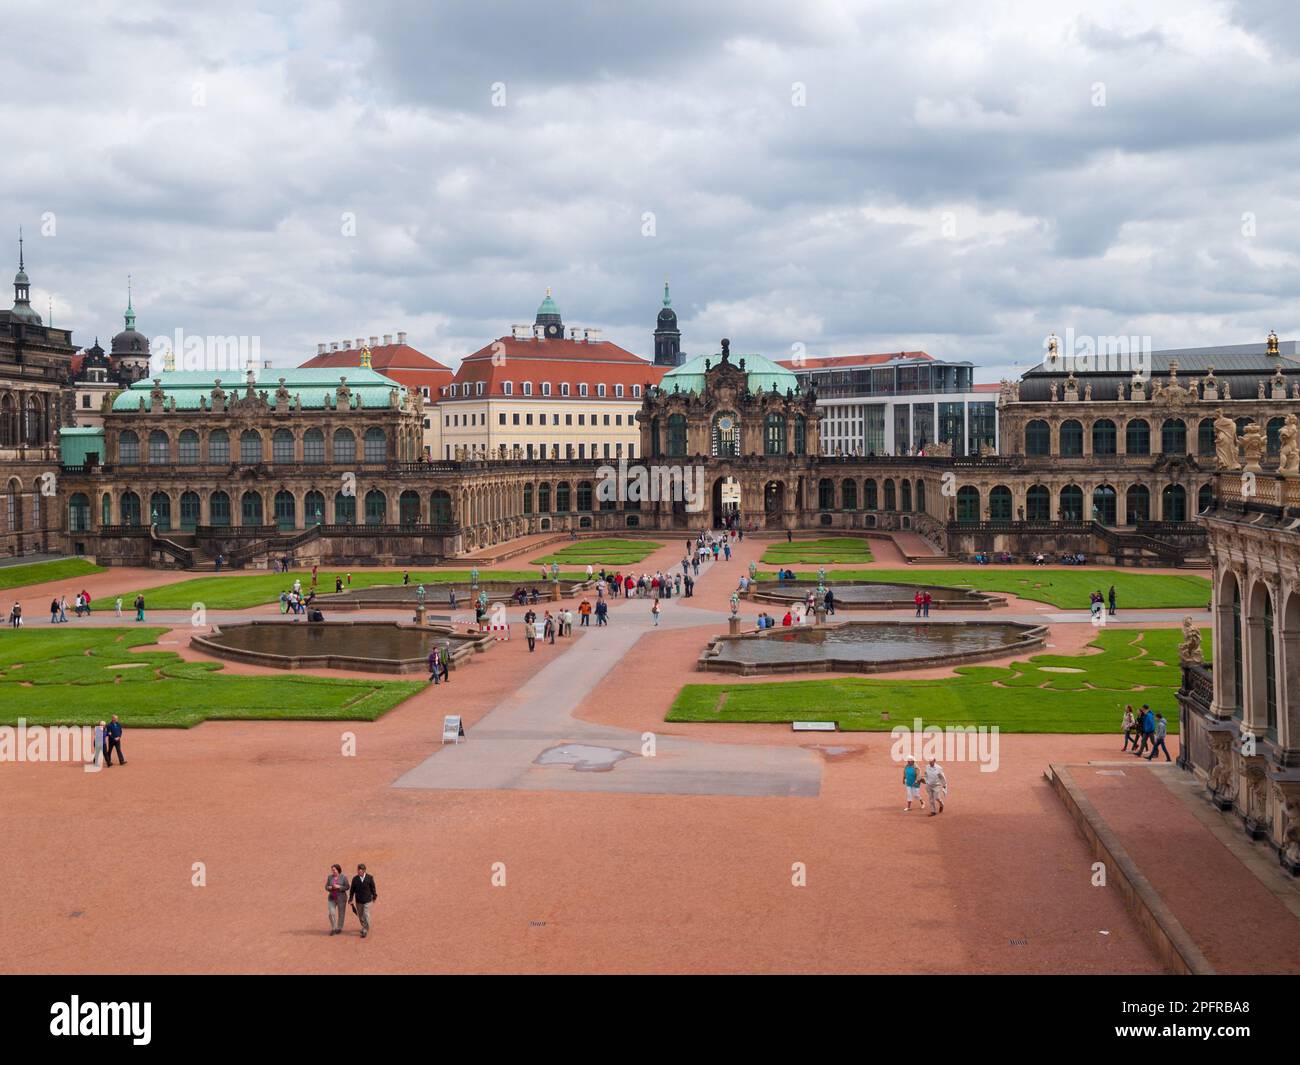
{"x": 129, "y": 317}
{"x": 22, "y": 308}
{"x": 668, "y": 302}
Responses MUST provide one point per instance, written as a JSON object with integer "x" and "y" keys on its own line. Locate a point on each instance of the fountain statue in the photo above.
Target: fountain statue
{"x": 473, "y": 578}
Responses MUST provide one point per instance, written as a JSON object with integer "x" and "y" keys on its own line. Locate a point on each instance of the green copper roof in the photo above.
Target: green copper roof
{"x": 76, "y": 444}
{"x": 548, "y": 305}
{"x": 315, "y": 388}
{"x": 761, "y": 374}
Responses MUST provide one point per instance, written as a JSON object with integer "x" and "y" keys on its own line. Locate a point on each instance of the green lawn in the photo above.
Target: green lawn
{"x": 601, "y": 553}
{"x": 67, "y": 678}
{"x": 1064, "y": 587}
{"x": 1134, "y": 666}
{"x": 236, "y": 591}
{"x": 818, "y": 552}
{"x": 39, "y": 572}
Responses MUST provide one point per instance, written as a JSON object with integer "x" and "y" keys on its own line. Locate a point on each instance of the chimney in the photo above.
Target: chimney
{"x": 334, "y": 346}
{"x": 344, "y": 345}
{"x": 374, "y": 342}
{"x": 388, "y": 339}
{"x": 361, "y": 342}
{"x": 320, "y": 349}
{"x": 401, "y": 338}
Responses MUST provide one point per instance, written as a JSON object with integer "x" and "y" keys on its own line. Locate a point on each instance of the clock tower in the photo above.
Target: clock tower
{"x": 668, "y": 339}
{"x": 548, "y": 321}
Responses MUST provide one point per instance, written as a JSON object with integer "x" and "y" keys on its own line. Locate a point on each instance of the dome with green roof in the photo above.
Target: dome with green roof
{"x": 761, "y": 374}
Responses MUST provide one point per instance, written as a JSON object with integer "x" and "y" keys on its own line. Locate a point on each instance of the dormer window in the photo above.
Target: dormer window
{"x": 546, "y": 388}
{"x": 478, "y": 388}
{"x": 582, "y": 391}
{"x": 636, "y": 391}
{"x": 528, "y": 388}
{"x": 507, "y": 388}
{"x": 564, "y": 388}
{"x": 618, "y": 391}
{"x": 600, "y": 391}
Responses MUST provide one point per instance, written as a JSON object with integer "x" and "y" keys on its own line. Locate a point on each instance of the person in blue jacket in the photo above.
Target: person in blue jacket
{"x": 911, "y": 785}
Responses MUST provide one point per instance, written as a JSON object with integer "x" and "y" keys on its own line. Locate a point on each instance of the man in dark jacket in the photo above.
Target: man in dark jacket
{"x": 113, "y": 741}
{"x": 363, "y": 894}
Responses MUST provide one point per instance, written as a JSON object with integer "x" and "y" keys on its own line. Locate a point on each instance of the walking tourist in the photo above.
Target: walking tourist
{"x": 1129, "y": 727}
{"x": 336, "y": 891}
{"x": 1147, "y": 726}
{"x": 16, "y": 615}
{"x": 363, "y": 895}
{"x": 1158, "y": 744}
{"x": 919, "y": 599}
{"x": 584, "y": 611}
{"x": 1111, "y": 599}
{"x": 602, "y": 613}
{"x": 139, "y": 607}
{"x": 435, "y": 665}
{"x": 654, "y": 613}
{"x": 912, "y": 785}
{"x": 936, "y": 786}
{"x": 113, "y": 733}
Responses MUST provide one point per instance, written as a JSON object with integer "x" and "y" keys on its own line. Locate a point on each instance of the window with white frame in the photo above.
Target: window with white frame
{"x": 546, "y": 388}
{"x": 478, "y": 388}
{"x": 582, "y": 391}
{"x": 528, "y": 388}
{"x": 618, "y": 391}
{"x": 600, "y": 391}
{"x": 564, "y": 388}
{"x": 636, "y": 391}
{"x": 507, "y": 388}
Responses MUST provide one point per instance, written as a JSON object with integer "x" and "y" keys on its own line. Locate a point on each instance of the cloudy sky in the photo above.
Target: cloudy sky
{"x": 848, "y": 176}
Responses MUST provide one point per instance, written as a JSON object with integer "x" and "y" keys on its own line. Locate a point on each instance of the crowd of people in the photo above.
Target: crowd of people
{"x": 1144, "y": 729}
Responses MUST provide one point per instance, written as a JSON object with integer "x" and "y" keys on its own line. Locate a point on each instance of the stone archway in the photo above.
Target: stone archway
{"x": 773, "y": 504}
{"x": 726, "y": 501}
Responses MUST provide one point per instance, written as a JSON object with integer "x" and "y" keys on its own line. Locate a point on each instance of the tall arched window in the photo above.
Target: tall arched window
{"x": 345, "y": 446}
{"x": 1137, "y": 437}
{"x": 376, "y": 507}
{"x": 968, "y": 504}
{"x": 1205, "y": 437}
{"x": 1173, "y": 503}
{"x": 869, "y": 490}
{"x": 345, "y": 509}
{"x": 128, "y": 448}
{"x": 920, "y": 496}
{"x": 1071, "y": 437}
{"x": 825, "y": 494}
{"x": 313, "y": 506}
{"x": 1104, "y": 504}
{"x": 1204, "y": 498}
{"x": 218, "y": 448}
{"x": 189, "y": 511}
{"x": 891, "y": 500}
{"x": 160, "y": 449}
{"x": 676, "y": 435}
{"x": 1104, "y": 437}
{"x": 562, "y": 497}
{"x": 1000, "y": 503}
{"x": 543, "y": 498}
{"x": 313, "y": 447}
{"x": 219, "y": 509}
{"x": 440, "y": 506}
{"x": 1137, "y": 504}
{"x": 250, "y": 448}
{"x": 1038, "y": 438}
{"x": 905, "y": 492}
{"x": 282, "y": 446}
{"x": 188, "y": 448}
{"x": 726, "y": 435}
{"x": 130, "y": 508}
{"x": 584, "y": 496}
{"x": 79, "y": 513}
{"x": 250, "y": 509}
{"x": 1072, "y": 503}
{"x": 800, "y": 435}
{"x": 528, "y": 499}
{"x": 286, "y": 511}
{"x": 1038, "y": 503}
{"x": 160, "y": 511}
{"x": 1173, "y": 437}
{"x": 408, "y": 508}
{"x": 376, "y": 445}
{"x": 849, "y": 494}
{"x": 774, "y": 434}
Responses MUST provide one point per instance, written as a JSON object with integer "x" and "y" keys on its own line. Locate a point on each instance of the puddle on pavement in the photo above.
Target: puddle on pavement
{"x": 834, "y": 753}
{"x": 583, "y": 757}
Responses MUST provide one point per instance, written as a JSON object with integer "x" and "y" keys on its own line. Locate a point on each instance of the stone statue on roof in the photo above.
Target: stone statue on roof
{"x": 1225, "y": 442}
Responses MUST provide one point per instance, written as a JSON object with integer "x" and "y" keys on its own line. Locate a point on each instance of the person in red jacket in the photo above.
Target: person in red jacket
{"x": 787, "y": 620}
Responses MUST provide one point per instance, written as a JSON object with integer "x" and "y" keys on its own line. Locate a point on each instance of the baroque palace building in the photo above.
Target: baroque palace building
{"x": 35, "y": 367}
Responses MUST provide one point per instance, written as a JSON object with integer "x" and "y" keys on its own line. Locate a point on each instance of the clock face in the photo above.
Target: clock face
{"x": 552, "y": 330}
{"x": 726, "y": 424}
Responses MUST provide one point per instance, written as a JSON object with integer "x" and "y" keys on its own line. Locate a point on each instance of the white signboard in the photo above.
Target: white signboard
{"x": 813, "y": 726}
{"x": 452, "y": 729}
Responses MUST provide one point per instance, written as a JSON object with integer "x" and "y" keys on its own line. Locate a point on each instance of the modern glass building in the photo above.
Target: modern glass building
{"x": 899, "y": 403}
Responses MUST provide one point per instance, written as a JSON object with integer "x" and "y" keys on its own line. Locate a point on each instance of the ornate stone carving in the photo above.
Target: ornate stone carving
{"x": 1189, "y": 651}
{"x": 1252, "y": 445}
{"x": 1226, "y": 453}
{"x": 1221, "y": 780}
{"x": 1289, "y": 453}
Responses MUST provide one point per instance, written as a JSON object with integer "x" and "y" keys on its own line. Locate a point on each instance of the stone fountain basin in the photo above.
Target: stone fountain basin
{"x": 876, "y": 595}
{"x": 363, "y": 646}
{"x": 437, "y": 596}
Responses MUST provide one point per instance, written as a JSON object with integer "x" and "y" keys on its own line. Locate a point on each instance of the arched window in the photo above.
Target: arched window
{"x": 376, "y": 507}
{"x": 1038, "y": 503}
{"x": 345, "y": 446}
{"x": 9, "y": 422}
{"x": 160, "y": 448}
{"x": 1000, "y": 503}
{"x": 1273, "y": 435}
{"x": 130, "y": 508}
{"x": 286, "y": 510}
{"x": 562, "y": 497}
{"x": 849, "y": 494}
{"x": 920, "y": 496}
{"x": 79, "y": 513}
{"x": 313, "y": 447}
{"x": 188, "y": 448}
{"x": 905, "y": 491}
{"x": 282, "y": 446}
{"x": 543, "y": 498}
{"x": 800, "y": 435}
{"x": 546, "y": 388}
{"x": 128, "y": 448}
{"x": 869, "y": 490}
{"x": 1038, "y": 438}
{"x": 1137, "y": 504}
{"x": 218, "y": 448}
{"x": 774, "y": 435}
{"x": 1204, "y": 498}
{"x": 250, "y": 448}
{"x": 968, "y": 504}
{"x": 1072, "y": 503}
{"x": 313, "y": 504}
{"x": 528, "y": 499}
{"x": 1104, "y": 504}
{"x": 1173, "y": 503}
{"x": 408, "y": 508}
{"x": 189, "y": 511}
{"x": 345, "y": 509}
{"x": 160, "y": 511}
{"x": 1173, "y": 437}
{"x": 891, "y": 501}
{"x": 584, "y": 496}
{"x": 1205, "y": 437}
{"x": 1104, "y": 437}
{"x": 219, "y": 509}
{"x": 1137, "y": 437}
{"x": 250, "y": 509}
{"x": 676, "y": 435}
{"x": 376, "y": 445}
{"x": 440, "y": 506}
{"x": 1071, "y": 437}
{"x": 825, "y": 494}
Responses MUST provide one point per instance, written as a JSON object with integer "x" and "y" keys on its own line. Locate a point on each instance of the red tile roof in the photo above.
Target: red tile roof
{"x": 398, "y": 362}
{"x": 849, "y": 361}
{"x": 562, "y": 361}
